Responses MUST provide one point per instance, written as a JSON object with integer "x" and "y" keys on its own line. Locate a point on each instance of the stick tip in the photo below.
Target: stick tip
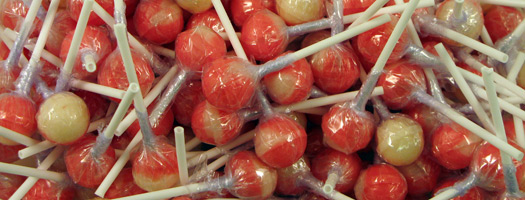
{"x": 134, "y": 87}
{"x": 178, "y": 130}
{"x": 327, "y": 189}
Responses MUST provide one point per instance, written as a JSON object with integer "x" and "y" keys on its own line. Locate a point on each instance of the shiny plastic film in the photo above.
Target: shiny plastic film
{"x": 189, "y": 97}
{"x": 7, "y": 78}
{"x": 453, "y": 146}
{"x": 279, "y": 141}
{"x": 215, "y": 126}
{"x": 207, "y": 18}
{"x": 47, "y": 189}
{"x": 168, "y": 21}
{"x": 83, "y": 167}
{"x": 13, "y": 13}
{"x": 470, "y": 21}
{"x": 346, "y": 167}
{"x": 10, "y": 184}
{"x": 17, "y": 113}
{"x": 346, "y": 129}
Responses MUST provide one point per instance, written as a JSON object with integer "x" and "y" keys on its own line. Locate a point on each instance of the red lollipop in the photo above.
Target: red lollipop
{"x": 502, "y": 20}
{"x": 158, "y": 21}
{"x": 421, "y": 176}
{"x": 243, "y": 9}
{"x": 453, "y": 146}
{"x": 113, "y": 74}
{"x": 381, "y": 181}
{"x": 187, "y": 100}
{"x": 123, "y": 186}
{"x": 9, "y": 153}
{"x": 75, "y": 6}
{"x": 215, "y": 126}
{"x": 399, "y": 80}
{"x": 10, "y": 184}
{"x": 47, "y": 189}
{"x": 96, "y": 104}
{"x": 62, "y": 25}
{"x": 371, "y": 43}
{"x": 95, "y": 42}
{"x": 347, "y": 168}
{"x": 17, "y": 113}
{"x": 425, "y": 116}
{"x": 13, "y": 13}
{"x": 7, "y": 78}
{"x": 155, "y": 166}
{"x": 84, "y": 166}
{"x": 288, "y": 181}
{"x": 264, "y": 36}
{"x": 207, "y": 18}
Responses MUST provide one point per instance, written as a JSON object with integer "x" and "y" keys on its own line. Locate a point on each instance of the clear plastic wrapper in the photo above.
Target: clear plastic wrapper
{"x": 471, "y": 193}
{"x": 295, "y": 12}
{"x": 4, "y": 51}
{"x": 155, "y": 165}
{"x": 189, "y": 97}
{"x": 291, "y": 84}
{"x": 346, "y": 129}
{"x": 7, "y": 78}
{"x": 95, "y": 42}
{"x": 17, "y": 113}
{"x": 453, "y": 146}
{"x": 251, "y": 177}
{"x": 399, "y": 139}
{"x": 197, "y": 46}
{"x": 353, "y": 6}
{"x": 85, "y": 167}
{"x": 241, "y": 10}
{"x": 74, "y": 7}
{"x": 163, "y": 126}
{"x": 13, "y": 13}
{"x": 195, "y": 6}
{"x": 279, "y": 140}
{"x": 62, "y": 25}
{"x": 112, "y": 73}
{"x": 96, "y": 104}
{"x": 421, "y": 176}
{"x": 264, "y": 36}
{"x": 347, "y": 168}
{"x": 399, "y": 80}
{"x": 381, "y": 181}
{"x": 123, "y": 186}
{"x": 371, "y": 43}
{"x": 335, "y": 69}
{"x": 215, "y": 126}
{"x": 47, "y": 189}
{"x": 9, "y": 183}
{"x": 207, "y": 18}
{"x": 9, "y": 153}
{"x": 427, "y": 117}
{"x": 289, "y": 181}
{"x": 501, "y": 21}
{"x": 470, "y": 23}
{"x": 167, "y": 24}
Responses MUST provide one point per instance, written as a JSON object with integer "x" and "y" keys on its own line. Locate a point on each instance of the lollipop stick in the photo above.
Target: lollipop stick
{"x": 316, "y": 186}
{"x": 36, "y": 148}
{"x": 8, "y": 35}
{"x": 169, "y": 94}
{"x": 152, "y": 95}
{"x": 508, "y": 167}
{"x": 511, "y": 76}
{"x": 44, "y": 32}
{"x": 367, "y": 87}
{"x": 133, "y": 89}
{"x": 89, "y": 62}
{"x": 181, "y": 155}
{"x": 446, "y": 194}
{"x": 17, "y": 137}
{"x": 225, "y": 20}
{"x": 125, "y": 52}
{"x": 503, "y": 88}
{"x": 467, "y": 124}
{"x": 96, "y": 88}
{"x": 330, "y": 182}
{"x": 388, "y": 10}
{"x": 163, "y": 51}
{"x": 512, "y": 109}
{"x": 510, "y": 3}
{"x": 369, "y": 12}
{"x": 65, "y": 72}
{"x": 28, "y": 171}
{"x": 458, "y": 7}
{"x": 485, "y": 37}
{"x": 30, "y": 181}
{"x": 465, "y": 89}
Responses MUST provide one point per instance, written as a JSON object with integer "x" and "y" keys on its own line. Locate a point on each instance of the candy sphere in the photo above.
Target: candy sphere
{"x": 198, "y": 46}
{"x": 17, "y": 113}
{"x": 329, "y": 160}
{"x": 207, "y": 18}
{"x": 9, "y": 153}
{"x": 453, "y": 146}
{"x": 63, "y": 118}
{"x": 85, "y": 169}
{"x": 381, "y": 181}
{"x": 155, "y": 167}
{"x": 10, "y": 184}
{"x": 279, "y": 141}
{"x": 471, "y": 22}
{"x": 371, "y": 43}
{"x": 399, "y": 81}
{"x": 251, "y": 177}
{"x": 228, "y": 83}
{"x": 158, "y": 21}
{"x": 243, "y": 9}
{"x": 291, "y": 84}
{"x": 123, "y": 185}
{"x": 62, "y": 25}
{"x": 355, "y": 6}
{"x": 472, "y": 194}
{"x": 346, "y": 129}
{"x": 399, "y": 140}
{"x": 8, "y": 78}
{"x": 13, "y": 13}
{"x": 421, "y": 176}
{"x": 215, "y": 126}
{"x": 264, "y": 36}
{"x": 97, "y": 105}
{"x": 502, "y": 20}
{"x": 95, "y": 41}
{"x": 427, "y": 118}
{"x": 288, "y": 182}
{"x": 296, "y": 12}
{"x": 188, "y": 98}
{"x": 195, "y": 6}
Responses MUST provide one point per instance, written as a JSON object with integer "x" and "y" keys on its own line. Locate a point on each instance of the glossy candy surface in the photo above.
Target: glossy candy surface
{"x": 329, "y": 160}
{"x": 17, "y": 113}
{"x": 381, "y": 181}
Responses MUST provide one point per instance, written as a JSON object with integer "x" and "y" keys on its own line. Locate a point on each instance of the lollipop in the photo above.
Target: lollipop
{"x": 168, "y": 21}
{"x": 46, "y": 189}
{"x": 421, "y": 176}
{"x": 300, "y": 11}
{"x": 338, "y": 170}
{"x": 243, "y": 9}
{"x": 502, "y": 20}
{"x": 381, "y": 181}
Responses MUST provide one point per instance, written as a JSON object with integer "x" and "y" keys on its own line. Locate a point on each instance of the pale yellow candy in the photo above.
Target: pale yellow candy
{"x": 63, "y": 118}
{"x": 520, "y": 80}
{"x": 147, "y": 183}
{"x": 399, "y": 140}
{"x": 472, "y": 25}
{"x": 300, "y": 11}
{"x": 195, "y": 6}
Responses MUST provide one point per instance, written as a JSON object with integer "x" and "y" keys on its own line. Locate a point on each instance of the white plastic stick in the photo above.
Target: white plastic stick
{"x": 512, "y": 109}
{"x": 222, "y": 149}
{"x": 369, "y": 12}
{"x": 95, "y": 125}
{"x": 65, "y": 72}
{"x": 30, "y": 181}
{"x": 125, "y": 52}
{"x": 388, "y": 10}
{"x": 194, "y": 142}
{"x": 324, "y": 101}
{"x": 516, "y": 67}
{"x": 225, "y": 20}
{"x": 90, "y": 63}
{"x": 29, "y": 171}
{"x": 224, "y": 35}
{"x": 163, "y": 51}
{"x": 181, "y": 155}
{"x": 446, "y": 195}
{"x": 503, "y": 89}
{"x": 152, "y": 95}
{"x": 213, "y": 166}
{"x": 9, "y": 43}
{"x": 464, "y": 87}
{"x": 36, "y": 148}
{"x": 474, "y": 44}
{"x": 511, "y": 76}
{"x": 167, "y": 193}
{"x": 469, "y": 125}
{"x": 11, "y": 35}
{"x": 122, "y": 108}
{"x": 345, "y": 35}
{"x": 330, "y": 183}
{"x": 44, "y": 32}
{"x": 458, "y": 8}
{"x": 96, "y": 88}
{"x": 510, "y": 3}
{"x": 485, "y": 37}
{"x": 17, "y": 137}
